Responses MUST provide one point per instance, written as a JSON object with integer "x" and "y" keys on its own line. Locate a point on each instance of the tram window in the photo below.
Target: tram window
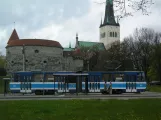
{"x": 49, "y": 78}
{"x": 133, "y": 78}
{"x": 91, "y": 78}
{"x": 127, "y": 78}
{"x": 118, "y": 77}
{"x": 38, "y": 77}
{"x": 140, "y": 78}
{"x": 71, "y": 79}
{"x": 83, "y": 78}
{"x": 107, "y": 77}
{"x": 56, "y": 78}
{"x": 97, "y": 78}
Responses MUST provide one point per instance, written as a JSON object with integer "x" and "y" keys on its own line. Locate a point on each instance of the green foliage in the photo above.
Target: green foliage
{"x": 2, "y": 61}
{"x": 154, "y": 88}
{"x": 143, "y": 109}
{"x": 152, "y": 74}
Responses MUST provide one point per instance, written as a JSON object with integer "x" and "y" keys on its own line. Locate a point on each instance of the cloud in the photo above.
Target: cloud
{"x": 60, "y": 20}
{"x": 87, "y": 27}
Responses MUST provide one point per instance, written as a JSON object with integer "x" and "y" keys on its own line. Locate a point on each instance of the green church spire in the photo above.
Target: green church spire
{"x": 109, "y": 1}
{"x": 109, "y": 18}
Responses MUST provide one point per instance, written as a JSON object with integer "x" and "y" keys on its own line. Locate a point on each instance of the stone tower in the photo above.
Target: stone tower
{"x": 109, "y": 29}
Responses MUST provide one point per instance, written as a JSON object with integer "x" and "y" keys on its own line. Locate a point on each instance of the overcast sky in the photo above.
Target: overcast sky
{"x": 60, "y": 20}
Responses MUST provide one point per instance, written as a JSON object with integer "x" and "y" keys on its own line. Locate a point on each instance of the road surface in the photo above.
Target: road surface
{"x": 80, "y": 96}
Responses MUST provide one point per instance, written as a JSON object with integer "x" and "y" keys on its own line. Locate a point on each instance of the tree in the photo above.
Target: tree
{"x": 125, "y": 8}
{"x": 2, "y": 61}
{"x": 2, "y": 65}
{"x": 115, "y": 58}
{"x": 155, "y": 58}
{"x": 89, "y": 56}
{"x": 140, "y": 46}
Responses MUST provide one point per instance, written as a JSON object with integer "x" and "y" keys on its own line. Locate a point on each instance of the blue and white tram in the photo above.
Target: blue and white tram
{"x": 69, "y": 82}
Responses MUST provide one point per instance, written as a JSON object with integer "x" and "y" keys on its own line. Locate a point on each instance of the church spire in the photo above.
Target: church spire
{"x": 101, "y": 21}
{"x": 109, "y": 18}
{"x": 77, "y": 40}
{"x": 69, "y": 44}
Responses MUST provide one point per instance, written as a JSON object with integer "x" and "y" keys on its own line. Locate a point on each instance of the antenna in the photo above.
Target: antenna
{"x": 14, "y": 25}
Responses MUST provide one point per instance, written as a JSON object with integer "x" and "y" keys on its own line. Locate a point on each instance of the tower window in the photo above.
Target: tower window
{"x": 110, "y": 34}
{"x": 115, "y": 34}
{"x": 103, "y": 35}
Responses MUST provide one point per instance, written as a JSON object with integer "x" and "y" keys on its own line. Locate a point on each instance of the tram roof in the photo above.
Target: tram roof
{"x": 77, "y": 73}
{"x": 70, "y": 74}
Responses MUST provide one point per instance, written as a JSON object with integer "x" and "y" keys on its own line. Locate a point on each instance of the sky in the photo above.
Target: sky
{"x": 60, "y": 20}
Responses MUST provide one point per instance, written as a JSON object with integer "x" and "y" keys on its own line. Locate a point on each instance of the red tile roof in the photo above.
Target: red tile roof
{"x": 34, "y": 42}
{"x": 13, "y": 37}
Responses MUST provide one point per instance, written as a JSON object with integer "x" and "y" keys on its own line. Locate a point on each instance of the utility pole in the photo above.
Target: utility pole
{"x": 23, "y": 52}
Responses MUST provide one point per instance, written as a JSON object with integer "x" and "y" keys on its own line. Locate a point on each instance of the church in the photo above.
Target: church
{"x": 49, "y": 55}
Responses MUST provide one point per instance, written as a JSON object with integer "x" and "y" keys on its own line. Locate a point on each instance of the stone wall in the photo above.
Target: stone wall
{"x": 40, "y": 58}
{"x": 36, "y": 57}
{"x": 71, "y": 64}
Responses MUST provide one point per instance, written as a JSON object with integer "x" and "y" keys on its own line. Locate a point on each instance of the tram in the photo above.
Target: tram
{"x": 40, "y": 82}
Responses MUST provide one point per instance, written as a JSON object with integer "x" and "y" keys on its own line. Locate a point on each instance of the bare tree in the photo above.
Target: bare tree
{"x": 125, "y": 8}
{"x": 88, "y": 55}
{"x": 140, "y": 46}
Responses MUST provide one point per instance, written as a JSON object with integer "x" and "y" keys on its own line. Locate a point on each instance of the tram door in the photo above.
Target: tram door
{"x": 60, "y": 80}
{"x": 94, "y": 84}
{"x": 131, "y": 83}
{"x": 66, "y": 84}
{"x": 26, "y": 84}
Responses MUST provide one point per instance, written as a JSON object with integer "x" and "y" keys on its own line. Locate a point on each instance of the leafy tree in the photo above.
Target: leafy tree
{"x": 2, "y": 61}
{"x": 2, "y": 65}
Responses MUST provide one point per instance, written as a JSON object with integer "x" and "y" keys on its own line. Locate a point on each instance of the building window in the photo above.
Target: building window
{"x": 26, "y": 60}
{"x": 36, "y": 51}
{"x": 45, "y": 61}
{"x": 103, "y": 35}
{"x": 110, "y": 34}
{"x": 115, "y": 34}
{"x": 12, "y": 61}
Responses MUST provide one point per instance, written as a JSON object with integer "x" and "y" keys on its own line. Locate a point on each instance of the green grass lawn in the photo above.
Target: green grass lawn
{"x": 144, "y": 109}
{"x": 154, "y": 88}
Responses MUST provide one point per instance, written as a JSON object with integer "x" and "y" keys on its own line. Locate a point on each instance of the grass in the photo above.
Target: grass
{"x": 143, "y": 109}
{"x": 154, "y": 88}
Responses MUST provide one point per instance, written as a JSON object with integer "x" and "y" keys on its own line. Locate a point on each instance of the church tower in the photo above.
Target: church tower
{"x": 109, "y": 29}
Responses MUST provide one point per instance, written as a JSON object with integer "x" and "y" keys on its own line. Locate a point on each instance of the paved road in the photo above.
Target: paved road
{"x": 89, "y": 96}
